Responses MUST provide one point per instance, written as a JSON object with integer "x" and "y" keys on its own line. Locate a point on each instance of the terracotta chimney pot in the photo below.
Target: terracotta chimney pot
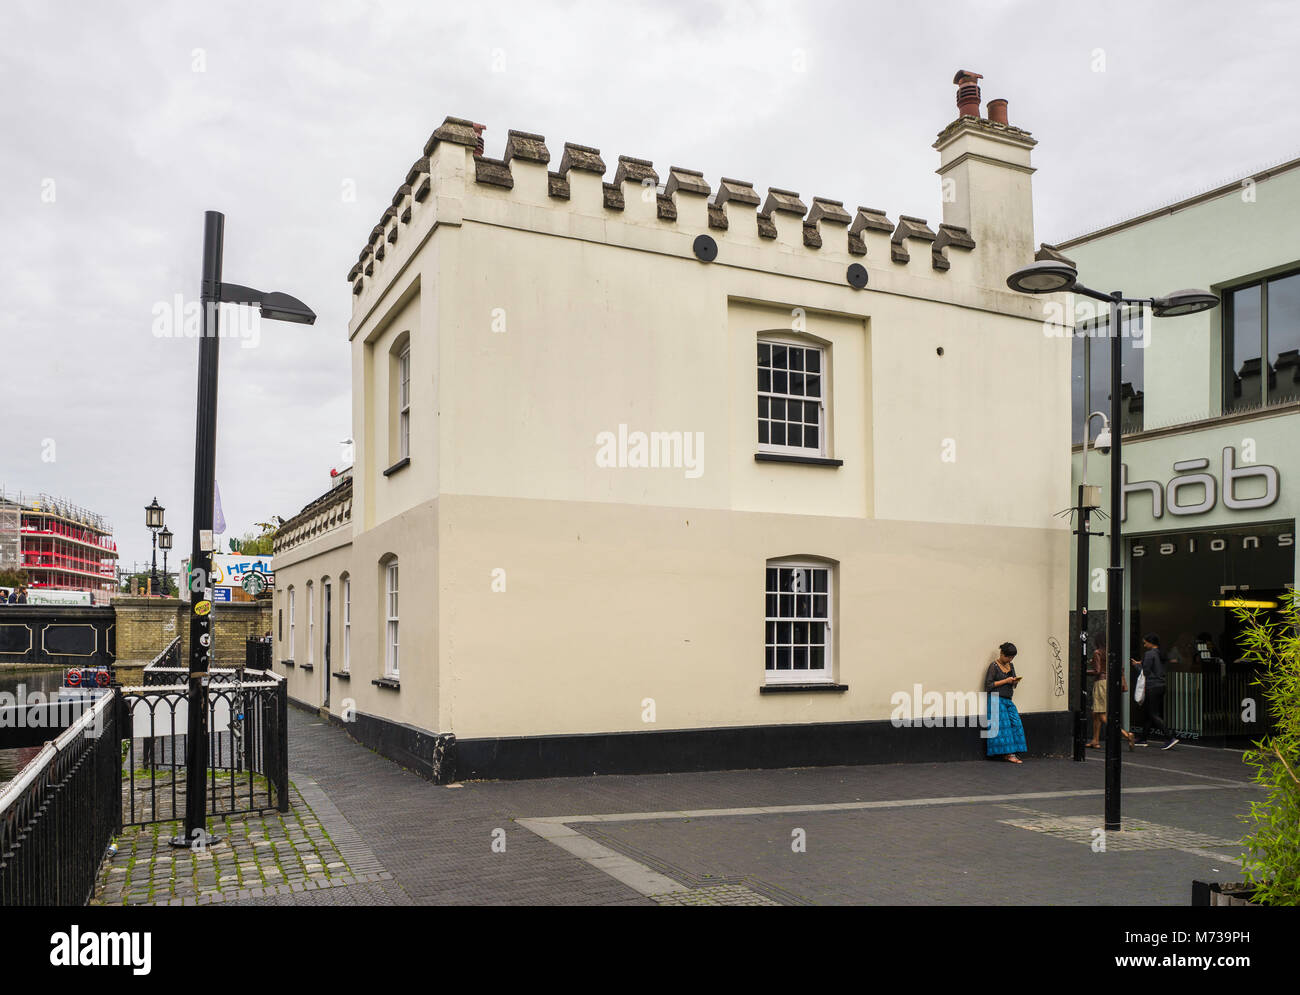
{"x": 968, "y": 92}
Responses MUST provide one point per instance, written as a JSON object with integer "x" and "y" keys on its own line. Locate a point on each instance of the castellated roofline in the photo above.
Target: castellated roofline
{"x": 452, "y": 166}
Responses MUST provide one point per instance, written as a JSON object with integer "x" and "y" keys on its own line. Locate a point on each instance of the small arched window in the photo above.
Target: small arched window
{"x": 388, "y": 577}
{"x": 311, "y": 623}
{"x": 399, "y": 420}
{"x": 799, "y": 608}
{"x": 346, "y": 583}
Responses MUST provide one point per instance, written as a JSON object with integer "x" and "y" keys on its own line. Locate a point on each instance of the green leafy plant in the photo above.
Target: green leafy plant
{"x": 1272, "y": 859}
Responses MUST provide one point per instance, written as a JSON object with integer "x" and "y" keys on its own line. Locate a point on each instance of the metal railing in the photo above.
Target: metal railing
{"x": 166, "y": 667}
{"x": 248, "y": 748}
{"x": 1206, "y": 701}
{"x": 58, "y": 815}
{"x": 257, "y": 653}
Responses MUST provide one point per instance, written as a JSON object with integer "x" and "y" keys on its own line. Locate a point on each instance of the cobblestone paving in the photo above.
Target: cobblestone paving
{"x": 1136, "y": 834}
{"x": 725, "y": 894}
{"x": 257, "y": 856}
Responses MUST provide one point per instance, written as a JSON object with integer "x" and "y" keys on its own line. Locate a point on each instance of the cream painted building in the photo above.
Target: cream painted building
{"x": 660, "y": 474}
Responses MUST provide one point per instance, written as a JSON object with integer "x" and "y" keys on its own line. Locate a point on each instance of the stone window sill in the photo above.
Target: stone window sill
{"x": 791, "y": 458}
{"x": 798, "y": 688}
{"x": 286, "y": 663}
{"x": 405, "y": 461}
{"x": 392, "y": 683}
{"x": 342, "y": 675}
{"x": 306, "y": 666}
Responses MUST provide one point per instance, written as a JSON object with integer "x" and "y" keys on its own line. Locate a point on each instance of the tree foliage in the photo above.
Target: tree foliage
{"x": 1272, "y": 860}
{"x": 253, "y": 544}
{"x": 166, "y": 586}
{"x": 13, "y": 578}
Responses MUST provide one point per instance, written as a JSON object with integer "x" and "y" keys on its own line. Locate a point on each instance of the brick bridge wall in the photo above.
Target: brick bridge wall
{"x": 146, "y": 625}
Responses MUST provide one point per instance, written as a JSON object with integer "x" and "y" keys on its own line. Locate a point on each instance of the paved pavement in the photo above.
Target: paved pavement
{"x": 311, "y": 847}
{"x": 911, "y": 834}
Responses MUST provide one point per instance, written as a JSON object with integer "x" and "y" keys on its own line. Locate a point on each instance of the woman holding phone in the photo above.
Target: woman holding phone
{"x": 1004, "y": 720}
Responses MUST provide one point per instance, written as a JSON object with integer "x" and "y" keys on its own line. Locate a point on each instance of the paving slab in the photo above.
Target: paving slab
{"x": 911, "y": 834}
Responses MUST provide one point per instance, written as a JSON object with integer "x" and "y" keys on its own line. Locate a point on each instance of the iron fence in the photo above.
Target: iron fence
{"x": 1208, "y": 701}
{"x": 59, "y": 814}
{"x": 257, "y": 653}
{"x": 248, "y": 751}
{"x": 166, "y": 667}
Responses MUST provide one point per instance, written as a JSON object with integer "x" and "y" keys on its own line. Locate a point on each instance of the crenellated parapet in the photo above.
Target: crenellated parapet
{"x": 332, "y": 510}
{"x": 452, "y": 169}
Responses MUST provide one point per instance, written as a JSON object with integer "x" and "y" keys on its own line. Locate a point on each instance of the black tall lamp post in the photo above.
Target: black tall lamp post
{"x": 153, "y": 520}
{"x": 278, "y": 307}
{"x": 1053, "y": 276}
{"x": 165, "y": 544}
{"x": 1089, "y": 500}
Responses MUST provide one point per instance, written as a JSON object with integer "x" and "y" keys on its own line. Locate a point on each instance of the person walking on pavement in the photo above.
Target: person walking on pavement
{"x": 999, "y": 684}
{"x": 1097, "y": 670}
{"x": 1152, "y": 667}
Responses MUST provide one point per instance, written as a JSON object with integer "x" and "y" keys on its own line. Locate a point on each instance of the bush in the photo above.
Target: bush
{"x": 1272, "y": 860}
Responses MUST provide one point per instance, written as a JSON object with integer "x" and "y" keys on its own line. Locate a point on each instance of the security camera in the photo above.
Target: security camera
{"x": 1102, "y": 444}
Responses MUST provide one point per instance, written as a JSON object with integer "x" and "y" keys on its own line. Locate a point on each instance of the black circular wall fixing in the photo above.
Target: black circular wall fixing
{"x": 939, "y": 351}
{"x": 857, "y": 276}
{"x": 705, "y": 249}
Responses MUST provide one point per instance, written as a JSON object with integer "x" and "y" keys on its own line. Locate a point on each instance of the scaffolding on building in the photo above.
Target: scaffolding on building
{"x": 61, "y": 545}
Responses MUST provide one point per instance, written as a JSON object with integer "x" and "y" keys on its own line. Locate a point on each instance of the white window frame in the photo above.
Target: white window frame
{"x": 823, "y": 401}
{"x": 347, "y": 625}
{"x": 391, "y": 626}
{"x": 772, "y": 625}
{"x": 291, "y": 622}
{"x": 311, "y": 624}
{"x": 404, "y": 402}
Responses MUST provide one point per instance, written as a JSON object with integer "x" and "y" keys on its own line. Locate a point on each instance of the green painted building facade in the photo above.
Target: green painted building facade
{"x": 1211, "y": 432}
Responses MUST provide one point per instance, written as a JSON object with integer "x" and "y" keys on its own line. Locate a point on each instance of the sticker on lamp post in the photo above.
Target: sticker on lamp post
{"x": 202, "y": 607}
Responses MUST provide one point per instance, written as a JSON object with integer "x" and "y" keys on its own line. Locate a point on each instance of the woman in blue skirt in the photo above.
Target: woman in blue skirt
{"x": 1008, "y": 735}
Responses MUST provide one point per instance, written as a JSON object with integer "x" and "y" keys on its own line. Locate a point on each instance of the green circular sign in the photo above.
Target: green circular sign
{"x": 254, "y": 583}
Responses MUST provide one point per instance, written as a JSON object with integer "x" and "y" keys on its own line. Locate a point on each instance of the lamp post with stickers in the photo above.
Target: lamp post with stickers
{"x": 1053, "y": 276}
{"x": 278, "y": 307}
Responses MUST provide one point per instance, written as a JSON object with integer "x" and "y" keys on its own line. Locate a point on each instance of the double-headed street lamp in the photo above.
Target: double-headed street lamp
{"x": 278, "y": 307}
{"x": 1058, "y": 276}
{"x": 153, "y": 520}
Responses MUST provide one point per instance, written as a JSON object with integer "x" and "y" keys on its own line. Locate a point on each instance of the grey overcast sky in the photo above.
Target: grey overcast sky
{"x": 123, "y": 122}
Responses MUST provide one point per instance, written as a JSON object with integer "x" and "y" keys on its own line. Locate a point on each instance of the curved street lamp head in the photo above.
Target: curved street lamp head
{"x": 1046, "y": 277}
{"x": 281, "y": 307}
{"x": 1182, "y": 302}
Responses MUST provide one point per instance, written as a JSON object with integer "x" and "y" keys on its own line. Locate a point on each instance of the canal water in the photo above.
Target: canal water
{"x": 20, "y": 682}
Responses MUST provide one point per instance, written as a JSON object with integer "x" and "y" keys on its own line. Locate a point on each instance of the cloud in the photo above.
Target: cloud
{"x": 832, "y": 99}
